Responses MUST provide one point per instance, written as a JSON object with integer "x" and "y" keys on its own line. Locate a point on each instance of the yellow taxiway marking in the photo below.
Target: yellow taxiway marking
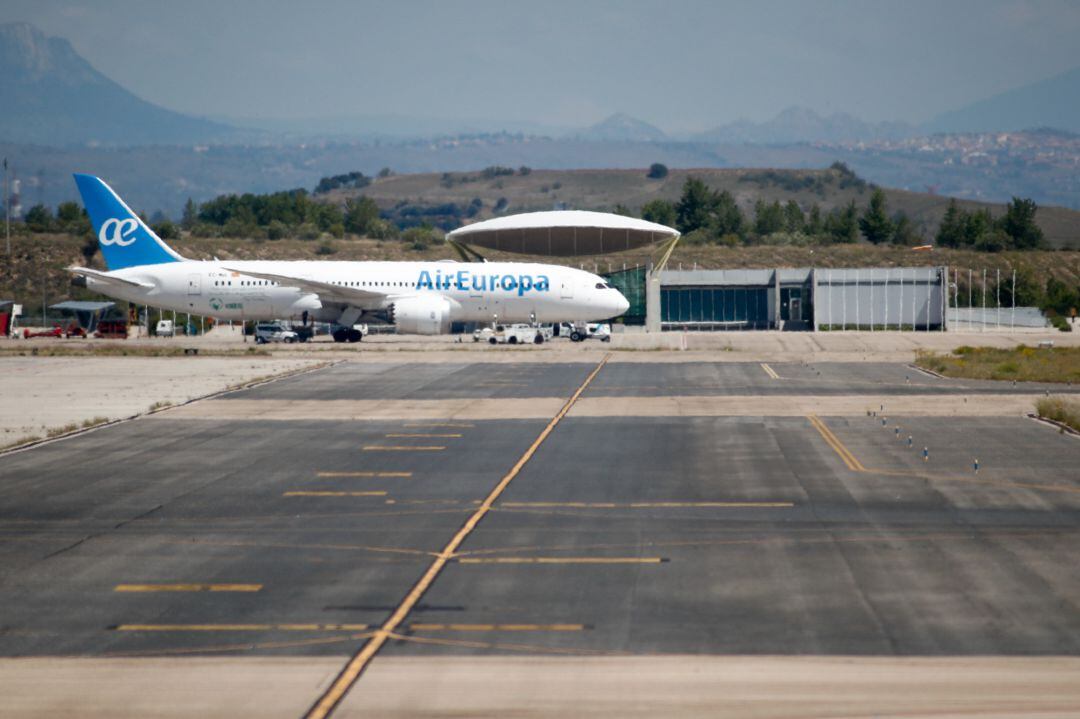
{"x": 352, "y": 670}
{"x": 448, "y": 425}
{"x": 188, "y": 587}
{"x": 401, "y": 448}
{"x": 242, "y": 627}
{"x": 769, "y": 371}
{"x": 856, "y": 466}
{"x": 838, "y": 446}
{"x": 401, "y": 475}
{"x": 333, "y": 494}
{"x": 427, "y": 436}
{"x": 560, "y": 560}
{"x": 496, "y": 627}
{"x": 647, "y": 505}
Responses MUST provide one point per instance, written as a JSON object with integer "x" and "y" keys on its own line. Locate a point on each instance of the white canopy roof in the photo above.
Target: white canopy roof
{"x": 562, "y": 233}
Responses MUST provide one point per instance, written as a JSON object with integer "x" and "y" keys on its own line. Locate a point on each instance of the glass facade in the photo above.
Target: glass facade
{"x": 631, "y": 282}
{"x": 733, "y": 306}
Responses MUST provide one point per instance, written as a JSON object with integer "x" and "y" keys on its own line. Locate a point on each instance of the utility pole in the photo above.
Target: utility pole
{"x": 7, "y": 209}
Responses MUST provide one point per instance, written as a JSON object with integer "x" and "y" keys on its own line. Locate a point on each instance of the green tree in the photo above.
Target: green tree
{"x": 768, "y": 218}
{"x": 694, "y": 209}
{"x": 166, "y": 229}
{"x": 1060, "y": 297}
{"x": 1019, "y": 224}
{"x": 39, "y": 218}
{"x": 657, "y": 171}
{"x": 814, "y": 224}
{"x": 659, "y": 211}
{"x": 72, "y": 218}
{"x": 621, "y": 209}
{"x": 728, "y": 219}
{"x": 842, "y": 224}
{"x": 794, "y": 219}
{"x": 951, "y": 231}
{"x": 904, "y": 233}
{"x": 976, "y": 225}
{"x": 190, "y": 215}
{"x": 1029, "y": 291}
{"x": 875, "y": 223}
{"x": 360, "y": 212}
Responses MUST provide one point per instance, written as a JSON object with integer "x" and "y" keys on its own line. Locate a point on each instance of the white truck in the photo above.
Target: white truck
{"x": 515, "y": 334}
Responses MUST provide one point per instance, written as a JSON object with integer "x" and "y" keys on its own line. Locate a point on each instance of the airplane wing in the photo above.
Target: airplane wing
{"x": 108, "y": 279}
{"x": 326, "y": 291}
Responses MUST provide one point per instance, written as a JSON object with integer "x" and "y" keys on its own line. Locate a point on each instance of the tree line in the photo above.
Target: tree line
{"x": 703, "y": 215}
{"x": 707, "y": 216}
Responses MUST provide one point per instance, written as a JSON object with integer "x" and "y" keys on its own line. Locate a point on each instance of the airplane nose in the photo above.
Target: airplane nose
{"x": 621, "y": 305}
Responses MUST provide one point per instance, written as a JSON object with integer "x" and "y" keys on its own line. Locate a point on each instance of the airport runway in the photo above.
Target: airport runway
{"x": 537, "y": 527}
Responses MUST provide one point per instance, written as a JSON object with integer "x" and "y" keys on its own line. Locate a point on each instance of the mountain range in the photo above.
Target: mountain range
{"x": 1054, "y": 103}
{"x": 51, "y": 95}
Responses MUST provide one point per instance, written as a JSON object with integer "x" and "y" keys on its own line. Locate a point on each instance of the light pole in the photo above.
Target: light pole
{"x": 7, "y": 209}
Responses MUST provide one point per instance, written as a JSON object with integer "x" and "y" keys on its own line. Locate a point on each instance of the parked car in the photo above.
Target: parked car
{"x": 165, "y": 328}
{"x": 274, "y": 332}
{"x": 583, "y": 331}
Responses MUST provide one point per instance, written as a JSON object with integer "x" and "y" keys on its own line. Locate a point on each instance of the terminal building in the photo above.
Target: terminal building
{"x": 809, "y": 299}
{"x": 662, "y": 299}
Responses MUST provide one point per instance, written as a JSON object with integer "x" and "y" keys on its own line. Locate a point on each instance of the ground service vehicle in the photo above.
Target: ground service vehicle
{"x": 274, "y": 332}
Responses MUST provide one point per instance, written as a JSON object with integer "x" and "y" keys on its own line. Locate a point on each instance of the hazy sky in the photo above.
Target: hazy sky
{"x": 680, "y": 64}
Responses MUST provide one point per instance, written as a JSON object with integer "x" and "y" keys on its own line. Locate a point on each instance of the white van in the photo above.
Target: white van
{"x": 165, "y": 328}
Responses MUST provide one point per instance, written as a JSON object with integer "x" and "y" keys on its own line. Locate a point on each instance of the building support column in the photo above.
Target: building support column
{"x": 652, "y": 299}
{"x": 776, "y": 308}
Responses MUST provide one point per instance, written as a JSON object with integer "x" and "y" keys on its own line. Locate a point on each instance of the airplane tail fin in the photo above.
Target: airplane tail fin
{"x": 124, "y": 239}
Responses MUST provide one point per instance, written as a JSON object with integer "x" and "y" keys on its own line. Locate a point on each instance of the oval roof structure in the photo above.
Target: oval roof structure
{"x": 562, "y": 233}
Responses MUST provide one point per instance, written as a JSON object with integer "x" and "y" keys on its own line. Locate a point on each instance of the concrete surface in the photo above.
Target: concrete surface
{"x": 43, "y": 393}
{"x": 398, "y": 687}
{"x": 740, "y": 561}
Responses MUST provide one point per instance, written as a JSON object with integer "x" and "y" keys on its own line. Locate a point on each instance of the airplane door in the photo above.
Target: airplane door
{"x": 567, "y": 291}
{"x": 194, "y": 284}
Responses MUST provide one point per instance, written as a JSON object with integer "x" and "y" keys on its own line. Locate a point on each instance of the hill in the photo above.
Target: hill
{"x": 620, "y": 127}
{"x": 604, "y": 189}
{"x": 1054, "y": 102}
{"x": 53, "y": 96}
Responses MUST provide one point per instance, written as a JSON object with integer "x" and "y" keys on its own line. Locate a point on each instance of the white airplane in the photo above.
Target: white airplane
{"x": 417, "y": 297}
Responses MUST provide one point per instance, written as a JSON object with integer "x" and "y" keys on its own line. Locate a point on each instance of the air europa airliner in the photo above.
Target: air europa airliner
{"x": 417, "y": 297}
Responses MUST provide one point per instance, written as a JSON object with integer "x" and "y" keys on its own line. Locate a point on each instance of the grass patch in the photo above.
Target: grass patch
{"x": 1060, "y": 409}
{"x": 118, "y": 350}
{"x": 1022, "y": 363}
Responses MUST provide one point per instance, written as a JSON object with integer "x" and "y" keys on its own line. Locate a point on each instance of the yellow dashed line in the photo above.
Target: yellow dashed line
{"x": 242, "y": 627}
{"x": 648, "y": 505}
{"x": 560, "y": 560}
{"x": 188, "y": 587}
{"x": 401, "y": 448}
{"x": 769, "y": 371}
{"x": 402, "y": 475}
{"x": 496, "y": 627}
{"x": 333, "y": 494}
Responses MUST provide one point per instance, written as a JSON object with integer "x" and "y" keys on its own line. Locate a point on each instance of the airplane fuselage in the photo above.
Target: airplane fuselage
{"x": 474, "y": 292}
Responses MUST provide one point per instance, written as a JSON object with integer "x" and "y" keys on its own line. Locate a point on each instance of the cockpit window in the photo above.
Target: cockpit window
{"x": 602, "y": 286}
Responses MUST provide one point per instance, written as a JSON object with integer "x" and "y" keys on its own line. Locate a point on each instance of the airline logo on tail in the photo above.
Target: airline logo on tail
{"x": 125, "y": 240}
{"x": 118, "y": 232}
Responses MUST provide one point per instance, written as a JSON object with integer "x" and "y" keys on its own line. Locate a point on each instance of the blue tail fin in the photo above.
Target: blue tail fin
{"x": 125, "y": 241}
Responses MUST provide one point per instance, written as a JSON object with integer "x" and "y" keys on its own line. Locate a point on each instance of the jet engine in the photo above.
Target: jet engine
{"x": 421, "y": 315}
